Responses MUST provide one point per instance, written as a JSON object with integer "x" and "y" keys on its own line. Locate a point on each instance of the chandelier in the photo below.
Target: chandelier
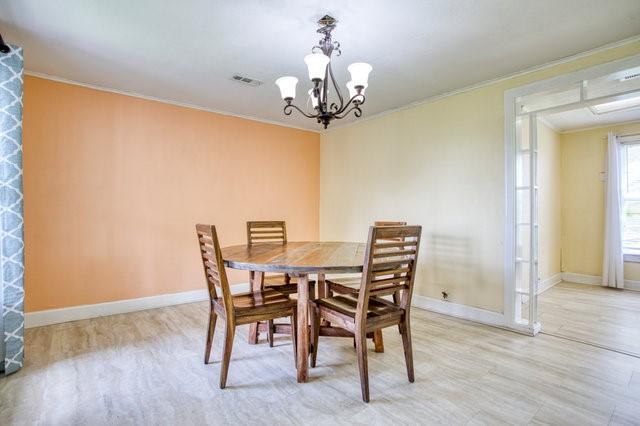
{"x": 321, "y": 76}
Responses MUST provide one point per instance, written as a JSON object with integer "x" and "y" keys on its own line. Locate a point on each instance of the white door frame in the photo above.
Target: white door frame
{"x": 510, "y": 114}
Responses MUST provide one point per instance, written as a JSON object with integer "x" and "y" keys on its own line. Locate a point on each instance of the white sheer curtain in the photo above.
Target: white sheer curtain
{"x": 613, "y": 263}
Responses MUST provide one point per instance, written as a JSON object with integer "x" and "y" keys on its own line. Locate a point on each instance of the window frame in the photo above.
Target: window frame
{"x": 630, "y": 254}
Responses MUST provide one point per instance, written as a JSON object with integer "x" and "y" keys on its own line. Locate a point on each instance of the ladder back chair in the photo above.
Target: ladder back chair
{"x": 390, "y": 265}
{"x": 238, "y": 309}
{"x": 352, "y": 285}
{"x": 273, "y": 231}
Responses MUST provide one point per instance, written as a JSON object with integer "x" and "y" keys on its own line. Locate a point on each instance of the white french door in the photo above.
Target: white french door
{"x": 526, "y": 221}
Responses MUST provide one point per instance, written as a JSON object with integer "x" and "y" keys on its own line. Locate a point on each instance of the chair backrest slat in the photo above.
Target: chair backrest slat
{"x": 387, "y": 265}
{"x": 214, "y": 270}
{"x": 274, "y": 231}
{"x": 388, "y": 223}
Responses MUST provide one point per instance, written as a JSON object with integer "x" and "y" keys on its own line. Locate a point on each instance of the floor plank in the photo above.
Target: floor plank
{"x": 598, "y": 315}
{"x": 146, "y": 368}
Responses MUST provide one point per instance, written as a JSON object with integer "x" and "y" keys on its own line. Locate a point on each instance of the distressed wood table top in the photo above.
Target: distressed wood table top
{"x": 297, "y": 257}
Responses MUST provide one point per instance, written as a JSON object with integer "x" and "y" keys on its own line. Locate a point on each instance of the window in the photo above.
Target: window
{"x": 631, "y": 200}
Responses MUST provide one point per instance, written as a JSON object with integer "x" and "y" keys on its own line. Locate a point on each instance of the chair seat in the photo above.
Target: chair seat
{"x": 347, "y": 306}
{"x": 351, "y": 285}
{"x": 257, "y": 302}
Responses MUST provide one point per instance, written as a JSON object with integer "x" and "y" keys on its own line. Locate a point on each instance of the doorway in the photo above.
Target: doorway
{"x": 613, "y": 86}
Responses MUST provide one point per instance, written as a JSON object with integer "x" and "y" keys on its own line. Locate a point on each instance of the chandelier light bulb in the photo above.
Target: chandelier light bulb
{"x": 360, "y": 73}
{"x": 317, "y": 64}
{"x": 287, "y": 87}
{"x": 353, "y": 91}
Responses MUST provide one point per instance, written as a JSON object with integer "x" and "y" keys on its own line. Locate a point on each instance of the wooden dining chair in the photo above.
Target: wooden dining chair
{"x": 238, "y": 309}
{"x": 390, "y": 265}
{"x": 273, "y": 231}
{"x": 352, "y": 285}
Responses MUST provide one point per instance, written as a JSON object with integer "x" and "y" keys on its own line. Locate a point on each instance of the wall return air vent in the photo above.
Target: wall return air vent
{"x": 246, "y": 80}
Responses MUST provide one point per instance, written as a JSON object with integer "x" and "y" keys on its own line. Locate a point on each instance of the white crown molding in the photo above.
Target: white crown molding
{"x": 161, "y": 100}
{"x": 600, "y": 126}
{"x": 372, "y": 117}
{"x": 490, "y": 82}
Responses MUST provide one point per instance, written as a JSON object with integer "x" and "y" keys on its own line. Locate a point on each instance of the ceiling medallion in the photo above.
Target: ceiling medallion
{"x": 321, "y": 75}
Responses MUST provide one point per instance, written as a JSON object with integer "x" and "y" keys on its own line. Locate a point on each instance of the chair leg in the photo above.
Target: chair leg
{"x": 230, "y": 331}
{"x": 315, "y": 329}
{"x": 312, "y": 291}
{"x": 361, "y": 349}
{"x": 212, "y": 328}
{"x": 270, "y": 332}
{"x": 377, "y": 341}
{"x": 396, "y": 301}
{"x": 406, "y": 345}
{"x": 294, "y": 337}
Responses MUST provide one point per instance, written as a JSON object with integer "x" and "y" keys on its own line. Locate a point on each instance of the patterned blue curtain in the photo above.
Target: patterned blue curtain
{"x": 11, "y": 219}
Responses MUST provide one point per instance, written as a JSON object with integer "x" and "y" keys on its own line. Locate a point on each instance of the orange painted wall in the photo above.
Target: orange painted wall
{"x": 114, "y": 185}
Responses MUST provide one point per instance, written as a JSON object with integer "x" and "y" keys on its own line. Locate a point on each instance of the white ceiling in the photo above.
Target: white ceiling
{"x": 583, "y": 118}
{"x": 186, "y": 51}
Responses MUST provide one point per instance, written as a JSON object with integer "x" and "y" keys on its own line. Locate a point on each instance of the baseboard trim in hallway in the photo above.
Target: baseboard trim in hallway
{"x": 596, "y": 280}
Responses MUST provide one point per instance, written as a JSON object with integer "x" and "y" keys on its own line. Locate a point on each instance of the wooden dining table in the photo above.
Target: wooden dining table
{"x": 299, "y": 259}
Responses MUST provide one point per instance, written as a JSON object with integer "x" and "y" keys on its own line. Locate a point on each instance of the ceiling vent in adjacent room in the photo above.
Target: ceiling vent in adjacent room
{"x": 246, "y": 80}
{"x": 632, "y": 76}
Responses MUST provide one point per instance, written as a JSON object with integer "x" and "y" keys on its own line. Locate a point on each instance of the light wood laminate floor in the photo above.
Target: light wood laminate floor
{"x": 601, "y": 316}
{"x": 146, "y": 368}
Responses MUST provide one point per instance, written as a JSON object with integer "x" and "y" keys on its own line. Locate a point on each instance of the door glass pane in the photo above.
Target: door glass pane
{"x": 522, "y": 206}
{"x": 522, "y": 168}
{"x": 523, "y": 242}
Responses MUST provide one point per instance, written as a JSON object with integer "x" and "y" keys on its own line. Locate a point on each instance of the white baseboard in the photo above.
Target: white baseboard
{"x": 581, "y": 278}
{"x": 549, "y": 282}
{"x": 596, "y": 280}
{"x": 75, "y": 313}
{"x": 460, "y": 311}
{"x": 632, "y": 285}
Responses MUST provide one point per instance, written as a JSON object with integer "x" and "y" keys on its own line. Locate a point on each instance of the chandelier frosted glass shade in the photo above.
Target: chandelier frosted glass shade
{"x": 317, "y": 65}
{"x": 287, "y": 87}
{"x": 325, "y": 102}
{"x": 353, "y": 91}
{"x": 359, "y": 73}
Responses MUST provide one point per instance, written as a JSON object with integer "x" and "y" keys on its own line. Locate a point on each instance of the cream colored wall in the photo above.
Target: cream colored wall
{"x": 583, "y": 160}
{"x": 441, "y": 165}
{"x": 549, "y": 202}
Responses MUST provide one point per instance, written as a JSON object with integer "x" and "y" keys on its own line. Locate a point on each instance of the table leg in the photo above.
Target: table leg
{"x": 303, "y": 328}
{"x": 322, "y": 292}
{"x": 257, "y": 281}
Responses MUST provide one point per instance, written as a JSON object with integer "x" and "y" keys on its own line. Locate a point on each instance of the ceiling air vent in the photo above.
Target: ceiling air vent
{"x": 246, "y": 80}
{"x": 632, "y": 76}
